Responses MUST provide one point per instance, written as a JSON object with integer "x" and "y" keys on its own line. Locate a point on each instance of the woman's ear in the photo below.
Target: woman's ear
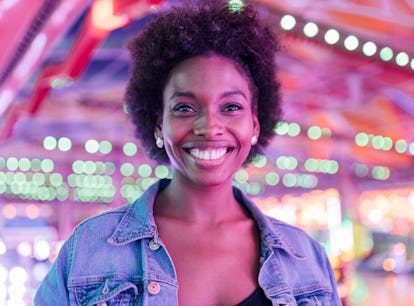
{"x": 256, "y": 128}
{"x": 158, "y": 133}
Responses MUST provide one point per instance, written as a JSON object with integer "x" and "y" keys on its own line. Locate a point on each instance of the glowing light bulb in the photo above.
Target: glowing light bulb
{"x": 288, "y": 22}
{"x": 386, "y": 54}
{"x": 369, "y": 48}
{"x": 351, "y": 43}
{"x": 332, "y": 36}
{"x": 402, "y": 59}
{"x": 310, "y": 29}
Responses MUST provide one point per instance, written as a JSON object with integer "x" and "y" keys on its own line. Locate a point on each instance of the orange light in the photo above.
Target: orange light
{"x": 389, "y": 264}
{"x": 103, "y": 18}
{"x": 9, "y": 211}
{"x": 32, "y": 211}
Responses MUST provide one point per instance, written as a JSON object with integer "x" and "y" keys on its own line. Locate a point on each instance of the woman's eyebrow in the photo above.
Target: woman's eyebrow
{"x": 232, "y": 93}
{"x": 181, "y": 94}
{"x": 191, "y": 95}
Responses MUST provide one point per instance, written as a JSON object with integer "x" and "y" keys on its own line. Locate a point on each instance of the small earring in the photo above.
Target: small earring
{"x": 159, "y": 142}
{"x": 254, "y": 140}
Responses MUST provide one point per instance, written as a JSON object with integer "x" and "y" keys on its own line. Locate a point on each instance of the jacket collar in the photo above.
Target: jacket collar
{"x": 270, "y": 233}
{"x": 138, "y": 221}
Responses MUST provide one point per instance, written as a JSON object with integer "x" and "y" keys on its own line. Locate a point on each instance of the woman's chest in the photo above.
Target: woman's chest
{"x": 213, "y": 267}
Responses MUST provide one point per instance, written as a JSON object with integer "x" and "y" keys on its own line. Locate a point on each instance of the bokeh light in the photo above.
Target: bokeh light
{"x": 351, "y": 43}
{"x": 332, "y": 36}
{"x": 288, "y": 22}
{"x": 310, "y": 29}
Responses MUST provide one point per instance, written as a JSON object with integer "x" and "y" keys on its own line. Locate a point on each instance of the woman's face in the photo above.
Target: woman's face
{"x": 208, "y": 122}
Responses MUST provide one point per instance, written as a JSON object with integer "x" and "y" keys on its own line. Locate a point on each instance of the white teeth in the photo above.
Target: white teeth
{"x": 208, "y": 154}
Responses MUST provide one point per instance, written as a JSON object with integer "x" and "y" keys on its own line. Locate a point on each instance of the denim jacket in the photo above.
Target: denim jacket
{"x": 117, "y": 258}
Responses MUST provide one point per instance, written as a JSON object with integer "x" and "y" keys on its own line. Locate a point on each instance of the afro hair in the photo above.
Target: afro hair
{"x": 208, "y": 26}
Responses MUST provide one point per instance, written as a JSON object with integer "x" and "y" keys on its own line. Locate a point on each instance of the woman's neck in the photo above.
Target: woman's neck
{"x": 197, "y": 203}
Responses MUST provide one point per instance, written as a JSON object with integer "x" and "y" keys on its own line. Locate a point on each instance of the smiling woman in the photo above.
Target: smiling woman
{"x": 204, "y": 98}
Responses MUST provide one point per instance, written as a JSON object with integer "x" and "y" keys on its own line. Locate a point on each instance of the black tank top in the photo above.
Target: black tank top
{"x": 257, "y": 298}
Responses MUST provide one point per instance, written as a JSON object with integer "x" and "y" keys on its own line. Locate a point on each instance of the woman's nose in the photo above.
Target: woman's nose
{"x": 208, "y": 125}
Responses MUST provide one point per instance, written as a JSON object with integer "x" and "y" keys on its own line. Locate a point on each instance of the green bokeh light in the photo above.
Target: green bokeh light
{"x": 92, "y": 146}
{"x": 236, "y": 6}
{"x": 369, "y": 48}
{"x": 89, "y": 167}
{"x": 9, "y": 178}
{"x": 161, "y": 171}
{"x": 332, "y": 36}
{"x": 310, "y": 29}
{"x": 377, "y": 142}
{"x": 35, "y": 164}
{"x": 49, "y": 143}
{"x": 293, "y": 129}
{"x": 388, "y": 144}
{"x": 281, "y": 128}
{"x": 259, "y": 161}
{"x": 380, "y": 173}
{"x": 62, "y": 193}
{"x": 130, "y": 149}
{"x": 351, "y": 42}
{"x": 254, "y": 188}
{"x": 38, "y": 179}
{"x": 77, "y": 166}
{"x": 311, "y": 165}
{"x": 402, "y": 59}
{"x": 307, "y": 181}
{"x": 272, "y": 178}
{"x": 105, "y": 147}
{"x": 19, "y": 177}
{"x": 386, "y": 54}
{"x": 314, "y": 132}
{"x": 127, "y": 169}
{"x": 241, "y": 176}
{"x": 47, "y": 165}
{"x": 401, "y": 146}
{"x": 289, "y": 180}
{"x": 288, "y": 22}
{"x": 362, "y": 139}
{"x": 24, "y": 164}
{"x": 64, "y": 144}
{"x": 12, "y": 163}
{"x": 144, "y": 170}
{"x": 56, "y": 179}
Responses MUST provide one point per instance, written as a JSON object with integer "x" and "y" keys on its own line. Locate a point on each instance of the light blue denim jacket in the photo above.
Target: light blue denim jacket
{"x": 117, "y": 258}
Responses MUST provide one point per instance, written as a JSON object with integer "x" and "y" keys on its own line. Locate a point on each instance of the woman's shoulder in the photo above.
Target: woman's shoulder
{"x": 107, "y": 217}
{"x": 297, "y": 238}
{"x": 285, "y": 227}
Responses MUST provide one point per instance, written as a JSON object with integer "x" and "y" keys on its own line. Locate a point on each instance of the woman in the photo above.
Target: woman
{"x": 203, "y": 96}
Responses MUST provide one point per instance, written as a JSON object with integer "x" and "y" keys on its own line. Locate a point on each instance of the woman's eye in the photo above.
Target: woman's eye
{"x": 232, "y": 107}
{"x": 183, "y": 108}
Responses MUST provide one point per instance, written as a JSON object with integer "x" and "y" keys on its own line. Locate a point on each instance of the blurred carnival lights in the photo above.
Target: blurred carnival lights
{"x": 351, "y": 42}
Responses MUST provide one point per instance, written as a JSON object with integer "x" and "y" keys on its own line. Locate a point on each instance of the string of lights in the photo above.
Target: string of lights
{"x": 347, "y": 41}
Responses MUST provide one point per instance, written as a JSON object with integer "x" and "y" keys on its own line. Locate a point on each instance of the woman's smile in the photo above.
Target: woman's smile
{"x": 208, "y": 154}
{"x": 214, "y": 152}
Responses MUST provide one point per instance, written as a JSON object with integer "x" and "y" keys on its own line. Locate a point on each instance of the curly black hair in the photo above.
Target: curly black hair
{"x": 209, "y": 26}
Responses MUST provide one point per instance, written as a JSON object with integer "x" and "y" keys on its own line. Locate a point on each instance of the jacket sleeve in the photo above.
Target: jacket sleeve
{"x": 53, "y": 289}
